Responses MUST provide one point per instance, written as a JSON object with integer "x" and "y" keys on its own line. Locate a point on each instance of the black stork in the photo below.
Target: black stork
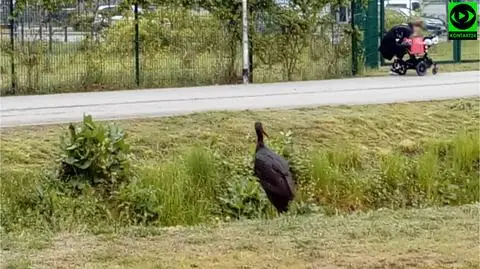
{"x": 273, "y": 172}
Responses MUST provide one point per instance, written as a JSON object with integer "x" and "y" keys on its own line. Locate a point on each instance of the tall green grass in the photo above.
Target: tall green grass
{"x": 202, "y": 185}
{"x": 181, "y": 191}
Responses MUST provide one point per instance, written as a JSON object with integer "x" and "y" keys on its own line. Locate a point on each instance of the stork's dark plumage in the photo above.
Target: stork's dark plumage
{"x": 273, "y": 172}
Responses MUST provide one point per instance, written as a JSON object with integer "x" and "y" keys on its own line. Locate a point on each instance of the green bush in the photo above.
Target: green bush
{"x": 393, "y": 18}
{"x": 243, "y": 198}
{"x": 95, "y": 154}
{"x": 175, "y": 30}
{"x": 241, "y": 195}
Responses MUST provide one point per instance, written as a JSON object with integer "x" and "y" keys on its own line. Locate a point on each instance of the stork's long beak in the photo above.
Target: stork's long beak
{"x": 265, "y": 134}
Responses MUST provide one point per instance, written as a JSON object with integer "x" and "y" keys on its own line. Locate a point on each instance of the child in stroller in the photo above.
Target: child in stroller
{"x": 406, "y": 39}
{"x": 417, "y": 49}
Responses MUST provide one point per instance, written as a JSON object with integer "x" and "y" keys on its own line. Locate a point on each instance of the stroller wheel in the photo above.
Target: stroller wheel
{"x": 399, "y": 68}
{"x": 421, "y": 68}
{"x": 434, "y": 69}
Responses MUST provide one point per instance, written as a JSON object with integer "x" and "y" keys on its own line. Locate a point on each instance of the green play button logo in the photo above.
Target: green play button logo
{"x": 462, "y": 20}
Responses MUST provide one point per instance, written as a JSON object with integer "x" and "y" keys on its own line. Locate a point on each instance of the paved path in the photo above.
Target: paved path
{"x": 60, "y": 108}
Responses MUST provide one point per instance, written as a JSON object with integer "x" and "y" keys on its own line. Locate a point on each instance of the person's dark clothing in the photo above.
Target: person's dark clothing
{"x": 391, "y": 43}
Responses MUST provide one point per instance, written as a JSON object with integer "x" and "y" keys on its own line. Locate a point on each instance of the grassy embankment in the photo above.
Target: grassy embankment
{"x": 356, "y": 158}
{"x": 346, "y": 158}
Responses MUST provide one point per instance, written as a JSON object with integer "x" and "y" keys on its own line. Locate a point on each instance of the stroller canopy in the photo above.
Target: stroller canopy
{"x": 389, "y": 46}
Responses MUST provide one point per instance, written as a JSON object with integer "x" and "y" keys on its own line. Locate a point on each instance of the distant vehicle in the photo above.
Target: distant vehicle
{"x": 62, "y": 16}
{"x": 434, "y": 25}
{"x": 411, "y": 5}
{"x": 108, "y": 15}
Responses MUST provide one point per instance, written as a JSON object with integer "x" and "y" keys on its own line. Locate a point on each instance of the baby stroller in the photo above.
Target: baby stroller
{"x": 417, "y": 49}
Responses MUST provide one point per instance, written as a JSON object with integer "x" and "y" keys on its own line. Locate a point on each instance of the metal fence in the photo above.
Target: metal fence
{"x": 78, "y": 50}
{"x": 89, "y": 48}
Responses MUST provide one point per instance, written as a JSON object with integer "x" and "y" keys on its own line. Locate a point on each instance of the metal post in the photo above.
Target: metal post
{"x": 22, "y": 31}
{"x": 457, "y": 45}
{"x": 65, "y": 38}
{"x": 250, "y": 60}
{"x": 12, "y": 47}
{"x": 250, "y": 47}
{"x": 354, "y": 39}
{"x": 246, "y": 66}
{"x": 382, "y": 25}
{"x": 137, "y": 47}
{"x": 370, "y": 40}
{"x": 50, "y": 33}
{"x": 457, "y": 51}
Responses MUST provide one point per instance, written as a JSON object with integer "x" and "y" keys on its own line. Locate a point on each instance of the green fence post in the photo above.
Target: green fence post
{"x": 354, "y": 38}
{"x": 457, "y": 45}
{"x": 137, "y": 47}
{"x": 382, "y": 25}
{"x": 457, "y": 51}
{"x": 370, "y": 39}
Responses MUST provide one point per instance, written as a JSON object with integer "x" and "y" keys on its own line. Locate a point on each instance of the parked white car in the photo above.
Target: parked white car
{"x": 411, "y": 5}
{"x": 107, "y": 15}
{"x": 434, "y": 25}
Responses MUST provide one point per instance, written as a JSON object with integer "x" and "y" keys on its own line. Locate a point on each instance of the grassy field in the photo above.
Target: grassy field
{"x": 372, "y": 127}
{"x": 347, "y": 158}
{"x": 419, "y": 238}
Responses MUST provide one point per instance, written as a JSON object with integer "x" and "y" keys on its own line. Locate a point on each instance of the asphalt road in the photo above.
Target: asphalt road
{"x": 61, "y": 108}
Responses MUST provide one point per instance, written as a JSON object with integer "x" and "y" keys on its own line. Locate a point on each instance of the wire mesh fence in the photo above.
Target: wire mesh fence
{"x": 89, "y": 47}
{"x": 79, "y": 49}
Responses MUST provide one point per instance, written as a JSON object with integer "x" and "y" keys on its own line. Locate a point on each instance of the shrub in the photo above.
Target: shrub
{"x": 244, "y": 198}
{"x": 95, "y": 154}
{"x": 241, "y": 195}
{"x": 175, "y": 30}
{"x": 393, "y": 18}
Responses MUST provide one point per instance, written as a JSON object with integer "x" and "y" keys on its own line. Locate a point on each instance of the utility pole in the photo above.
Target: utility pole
{"x": 246, "y": 67}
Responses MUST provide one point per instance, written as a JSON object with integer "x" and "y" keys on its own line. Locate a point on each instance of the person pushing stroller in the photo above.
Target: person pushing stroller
{"x": 403, "y": 39}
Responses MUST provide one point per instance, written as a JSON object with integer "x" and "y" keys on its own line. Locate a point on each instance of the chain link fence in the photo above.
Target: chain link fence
{"x": 85, "y": 48}
{"x": 98, "y": 46}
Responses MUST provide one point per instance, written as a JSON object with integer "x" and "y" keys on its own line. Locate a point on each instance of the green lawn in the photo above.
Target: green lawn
{"x": 419, "y": 238}
{"x": 346, "y": 158}
{"x": 372, "y": 127}
{"x": 351, "y": 163}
